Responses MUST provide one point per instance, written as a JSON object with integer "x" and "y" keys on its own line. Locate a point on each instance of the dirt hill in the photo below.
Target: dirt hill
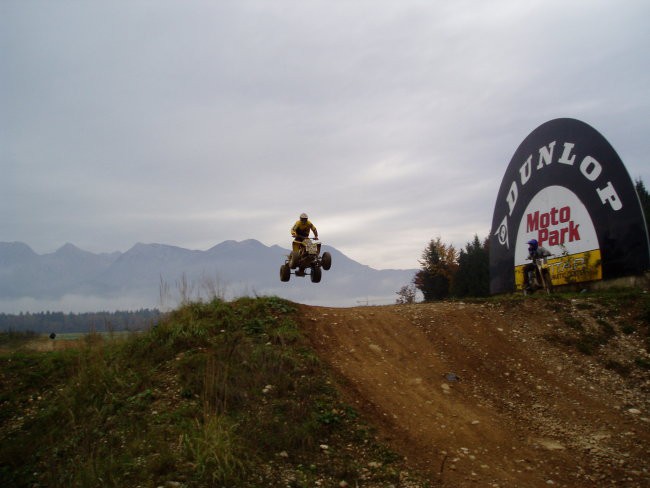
{"x": 500, "y": 394}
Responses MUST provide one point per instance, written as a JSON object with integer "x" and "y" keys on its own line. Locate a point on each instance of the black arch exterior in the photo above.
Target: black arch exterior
{"x": 622, "y": 234}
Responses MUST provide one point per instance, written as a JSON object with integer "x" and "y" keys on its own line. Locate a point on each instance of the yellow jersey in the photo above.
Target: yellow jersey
{"x": 301, "y": 229}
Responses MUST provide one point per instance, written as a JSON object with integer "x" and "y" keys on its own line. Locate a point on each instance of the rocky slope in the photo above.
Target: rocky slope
{"x": 542, "y": 392}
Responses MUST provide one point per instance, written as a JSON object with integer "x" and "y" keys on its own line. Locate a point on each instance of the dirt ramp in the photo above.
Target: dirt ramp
{"x": 467, "y": 394}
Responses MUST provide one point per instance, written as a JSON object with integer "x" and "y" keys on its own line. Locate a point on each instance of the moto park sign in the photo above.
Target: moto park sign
{"x": 566, "y": 187}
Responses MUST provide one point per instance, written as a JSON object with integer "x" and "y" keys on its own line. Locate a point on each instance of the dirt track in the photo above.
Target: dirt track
{"x": 477, "y": 395}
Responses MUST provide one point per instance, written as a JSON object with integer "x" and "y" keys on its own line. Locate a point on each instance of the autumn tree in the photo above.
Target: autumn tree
{"x": 406, "y": 294}
{"x": 438, "y": 268}
{"x": 473, "y": 275}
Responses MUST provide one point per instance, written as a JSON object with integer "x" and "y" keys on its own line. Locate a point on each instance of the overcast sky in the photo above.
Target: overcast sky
{"x": 390, "y": 123}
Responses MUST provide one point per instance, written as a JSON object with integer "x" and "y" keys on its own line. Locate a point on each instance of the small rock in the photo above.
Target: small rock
{"x": 451, "y": 377}
{"x": 551, "y": 445}
{"x": 634, "y": 411}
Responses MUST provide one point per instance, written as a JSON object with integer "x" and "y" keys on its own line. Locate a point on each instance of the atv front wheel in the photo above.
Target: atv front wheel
{"x": 285, "y": 272}
{"x": 294, "y": 259}
{"x": 326, "y": 261}
{"x": 316, "y": 274}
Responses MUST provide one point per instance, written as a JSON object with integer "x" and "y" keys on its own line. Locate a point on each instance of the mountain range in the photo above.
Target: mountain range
{"x": 161, "y": 276}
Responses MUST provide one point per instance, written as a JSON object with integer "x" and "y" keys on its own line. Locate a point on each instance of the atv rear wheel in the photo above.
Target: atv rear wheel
{"x": 326, "y": 261}
{"x": 316, "y": 274}
{"x": 285, "y": 272}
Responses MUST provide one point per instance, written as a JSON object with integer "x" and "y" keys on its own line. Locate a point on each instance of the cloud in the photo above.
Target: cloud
{"x": 193, "y": 123}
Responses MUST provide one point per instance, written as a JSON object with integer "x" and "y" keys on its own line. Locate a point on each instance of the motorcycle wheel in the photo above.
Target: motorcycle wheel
{"x": 316, "y": 274}
{"x": 285, "y": 272}
{"x": 326, "y": 261}
{"x": 548, "y": 284}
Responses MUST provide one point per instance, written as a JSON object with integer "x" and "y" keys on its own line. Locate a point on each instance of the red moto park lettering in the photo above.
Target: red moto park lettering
{"x": 540, "y": 223}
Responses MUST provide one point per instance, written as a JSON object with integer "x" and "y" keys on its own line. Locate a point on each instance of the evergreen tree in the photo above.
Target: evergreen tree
{"x": 473, "y": 275}
{"x": 438, "y": 268}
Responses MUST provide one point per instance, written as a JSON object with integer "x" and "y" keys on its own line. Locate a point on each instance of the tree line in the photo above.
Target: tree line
{"x": 59, "y": 322}
{"x": 446, "y": 273}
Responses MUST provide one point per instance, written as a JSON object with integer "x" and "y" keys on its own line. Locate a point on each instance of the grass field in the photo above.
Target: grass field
{"x": 12, "y": 341}
{"x": 218, "y": 394}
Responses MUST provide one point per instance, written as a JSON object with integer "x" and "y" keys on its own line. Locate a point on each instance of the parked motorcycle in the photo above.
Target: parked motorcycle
{"x": 539, "y": 277}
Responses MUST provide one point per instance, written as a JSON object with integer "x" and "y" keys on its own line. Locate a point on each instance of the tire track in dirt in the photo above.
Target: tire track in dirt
{"x": 510, "y": 413}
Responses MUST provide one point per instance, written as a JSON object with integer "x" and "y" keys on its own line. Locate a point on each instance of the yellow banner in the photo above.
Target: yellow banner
{"x": 572, "y": 268}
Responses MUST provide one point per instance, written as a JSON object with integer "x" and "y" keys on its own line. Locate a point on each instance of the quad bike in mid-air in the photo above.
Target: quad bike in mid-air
{"x": 539, "y": 278}
{"x": 306, "y": 257}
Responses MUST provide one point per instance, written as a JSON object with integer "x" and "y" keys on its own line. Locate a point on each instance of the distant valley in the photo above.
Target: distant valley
{"x": 161, "y": 276}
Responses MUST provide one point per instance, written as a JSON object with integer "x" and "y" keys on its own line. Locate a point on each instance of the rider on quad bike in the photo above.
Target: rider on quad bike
{"x": 305, "y": 255}
{"x": 535, "y": 252}
{"x": 300, "y": 231}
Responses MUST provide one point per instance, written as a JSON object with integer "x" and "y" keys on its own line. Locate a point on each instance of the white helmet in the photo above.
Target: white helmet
{"x": 303, "y": 216}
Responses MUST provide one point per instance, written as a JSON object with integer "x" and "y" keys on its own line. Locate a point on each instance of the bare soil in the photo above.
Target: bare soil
{"x": 496, "y": 394}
